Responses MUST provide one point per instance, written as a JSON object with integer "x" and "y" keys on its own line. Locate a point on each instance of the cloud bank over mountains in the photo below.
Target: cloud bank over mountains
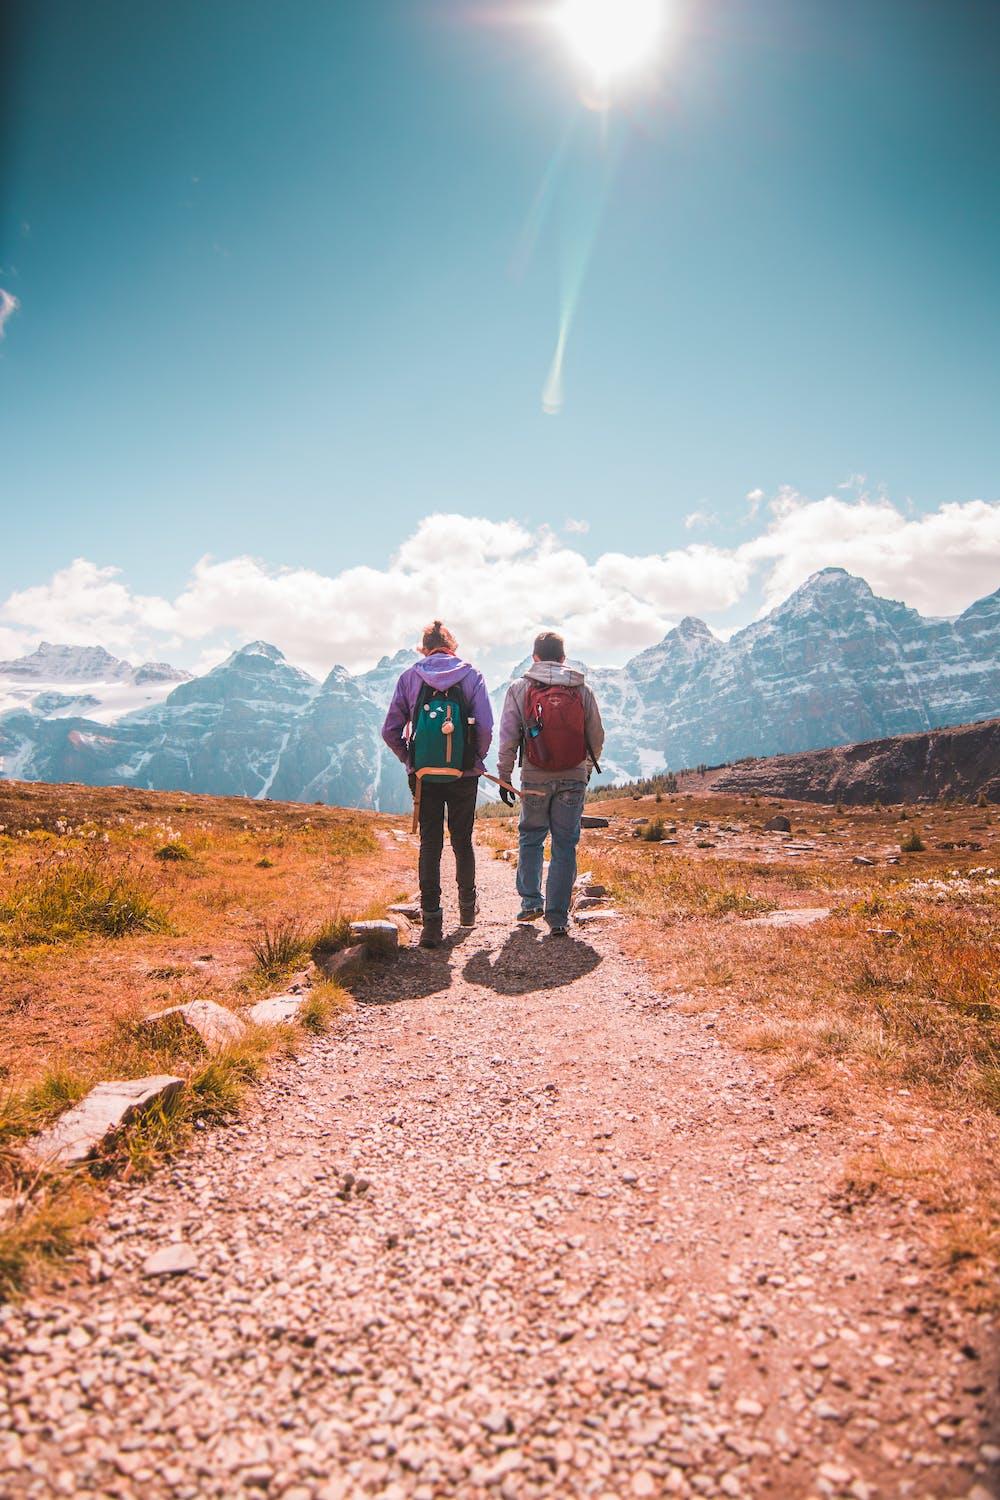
{"x": 496, "y": 582}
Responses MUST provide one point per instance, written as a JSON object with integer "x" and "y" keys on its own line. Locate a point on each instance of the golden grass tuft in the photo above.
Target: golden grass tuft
{"x": 57, "y": 899}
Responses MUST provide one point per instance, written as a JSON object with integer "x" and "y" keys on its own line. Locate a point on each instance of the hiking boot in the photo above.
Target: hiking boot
{"x": 558, "y": 931}
{"x": 467, "y": 913}
{"x": 531, "y": 915}
{"x": 432, "y": 932}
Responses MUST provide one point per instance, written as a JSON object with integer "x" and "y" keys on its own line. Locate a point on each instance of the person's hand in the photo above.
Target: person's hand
{"x": 412, "y": 779}
{"x": 506, "y": 795}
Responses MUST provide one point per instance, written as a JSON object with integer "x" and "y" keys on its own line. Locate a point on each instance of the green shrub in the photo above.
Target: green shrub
{"x": 912, "y": 843}
{"x": 175, "y": 850}
{"x": 652, "y": 832}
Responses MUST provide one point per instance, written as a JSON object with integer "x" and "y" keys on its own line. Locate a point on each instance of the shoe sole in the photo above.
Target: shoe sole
{"x": 528, "y": 916}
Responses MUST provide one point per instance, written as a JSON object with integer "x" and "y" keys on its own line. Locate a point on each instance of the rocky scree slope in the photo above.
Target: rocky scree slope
{"x": 959, "y": 762}
{"x": 833, "y": 664}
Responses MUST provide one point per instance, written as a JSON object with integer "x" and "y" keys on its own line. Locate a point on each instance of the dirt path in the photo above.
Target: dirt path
{"x": 519, "y": 1228}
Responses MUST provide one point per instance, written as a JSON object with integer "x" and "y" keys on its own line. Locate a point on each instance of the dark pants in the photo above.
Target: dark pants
{"x": 459, "y": 797}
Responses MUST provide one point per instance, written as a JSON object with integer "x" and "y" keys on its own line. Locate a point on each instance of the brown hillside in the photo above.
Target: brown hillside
{"x": 962, "y": 762}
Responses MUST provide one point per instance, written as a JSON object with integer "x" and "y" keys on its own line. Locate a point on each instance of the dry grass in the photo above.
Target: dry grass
{"x": 185, "y": 926}
{"x": 891, "y": 1006}
{"x": 115, "y": 903}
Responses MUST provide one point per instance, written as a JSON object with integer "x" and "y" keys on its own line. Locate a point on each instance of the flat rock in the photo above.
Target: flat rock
{"x": 604, "y": 914}
{"x": 79, "y": 1133}
{"x": 213, "y": 1023}
{"x": 171, "y": 1260}
{"x": 277, "y": 1010}
{"x": 585, "y": 903}
{"x": 795, "y": 916}
{"x": 406, "y": 909}
{"x": 591, "y": 822}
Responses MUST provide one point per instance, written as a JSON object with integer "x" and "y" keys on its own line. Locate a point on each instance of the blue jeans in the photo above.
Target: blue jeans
{"x": 555, "y": 808}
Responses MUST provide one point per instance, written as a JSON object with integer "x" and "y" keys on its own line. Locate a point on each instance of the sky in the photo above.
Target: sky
{"x": 281, "y": 285}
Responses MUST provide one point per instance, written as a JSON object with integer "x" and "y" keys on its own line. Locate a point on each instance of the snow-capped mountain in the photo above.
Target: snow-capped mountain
{"x": 59, "y": 680}
{"x": 833, "y": 664}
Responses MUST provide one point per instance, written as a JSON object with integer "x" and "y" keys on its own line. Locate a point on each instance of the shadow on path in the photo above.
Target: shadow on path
{"x": 416, "y": 973}
{"x": 528, "y": 962}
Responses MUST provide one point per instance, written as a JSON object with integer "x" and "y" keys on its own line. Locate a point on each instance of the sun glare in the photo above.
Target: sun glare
{"x": 611, "y": 37}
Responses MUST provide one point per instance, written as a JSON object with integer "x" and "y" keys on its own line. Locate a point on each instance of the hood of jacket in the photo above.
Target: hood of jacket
{"x": 551, "y": 672}
{"x": 442, "y": 671}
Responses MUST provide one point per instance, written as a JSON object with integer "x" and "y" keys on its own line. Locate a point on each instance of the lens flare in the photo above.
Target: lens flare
{"x": 611, "y": 37}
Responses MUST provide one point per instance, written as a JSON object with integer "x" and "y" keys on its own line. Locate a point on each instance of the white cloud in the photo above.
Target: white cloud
{"x": 700, "y": 518}
{"x": 579, "y": 527}
{"x": 755, "y": 499}
{"x": 83, "y": 604}
{"x": 938, "y": 563}
{"x": 8, "y": 306}
{"x": 495, "y": 583}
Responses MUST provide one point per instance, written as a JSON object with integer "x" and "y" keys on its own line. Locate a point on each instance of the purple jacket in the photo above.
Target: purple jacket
{"x": 439, "y": 671}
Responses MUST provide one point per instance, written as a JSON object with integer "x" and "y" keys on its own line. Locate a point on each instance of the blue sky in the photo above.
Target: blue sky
{"x": 269, "y": 302}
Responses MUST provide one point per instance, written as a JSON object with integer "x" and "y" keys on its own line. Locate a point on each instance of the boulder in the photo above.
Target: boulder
{"x": 588, "y": 821}
{"x": 212, "y": 1023}
{"x": 380, "y": 939}
{"x": 778, "y": 824}
{"x": 79, "y": 1133}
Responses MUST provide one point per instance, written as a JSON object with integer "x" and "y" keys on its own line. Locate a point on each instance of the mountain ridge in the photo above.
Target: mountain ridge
{"x": 832, "y": 664}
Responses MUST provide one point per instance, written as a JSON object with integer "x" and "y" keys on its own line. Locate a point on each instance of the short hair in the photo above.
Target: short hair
{"x": 549, "y": 646}
{"x": 438, "y": 637}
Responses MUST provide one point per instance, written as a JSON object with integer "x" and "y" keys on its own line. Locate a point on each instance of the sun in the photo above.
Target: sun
{"x": 611, "y": 37}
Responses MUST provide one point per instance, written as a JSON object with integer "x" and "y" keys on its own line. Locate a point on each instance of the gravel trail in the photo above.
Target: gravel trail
{"x": 516, "y": 1228}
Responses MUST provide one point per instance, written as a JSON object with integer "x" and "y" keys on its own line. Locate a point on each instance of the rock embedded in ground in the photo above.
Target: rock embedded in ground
{"x": 278, "y": 1010}
{"x": 603, "y": 914}
{"x": 212, "y": 1023}
{"x": 172, "y": 1260}
{"x": 341, "y": 962}
{"x": 590, "y": 821}
{"x": 794, "y": 916}
{"x": 778, "y": 824}
{"x": 80, "y": 1132}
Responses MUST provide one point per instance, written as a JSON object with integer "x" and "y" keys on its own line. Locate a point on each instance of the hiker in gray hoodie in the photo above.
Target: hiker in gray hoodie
{"x": 551, "y": 719}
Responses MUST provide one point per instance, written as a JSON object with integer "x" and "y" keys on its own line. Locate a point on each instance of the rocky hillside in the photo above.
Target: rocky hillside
{"x": 961, "y": 762}
{"x": 833, "y": 664}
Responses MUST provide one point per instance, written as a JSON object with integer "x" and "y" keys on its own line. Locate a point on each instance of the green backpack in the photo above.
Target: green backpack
{"x": 440, "y": 735}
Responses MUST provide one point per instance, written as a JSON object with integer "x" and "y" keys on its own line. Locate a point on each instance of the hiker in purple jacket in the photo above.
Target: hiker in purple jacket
{"x": 442, "y": 669}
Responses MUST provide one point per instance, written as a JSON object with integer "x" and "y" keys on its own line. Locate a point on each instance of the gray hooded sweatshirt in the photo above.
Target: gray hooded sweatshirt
{"x": 512, "y": 724}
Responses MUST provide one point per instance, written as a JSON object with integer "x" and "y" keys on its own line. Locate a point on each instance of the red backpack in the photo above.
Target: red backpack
{"x": 555, "y": 735}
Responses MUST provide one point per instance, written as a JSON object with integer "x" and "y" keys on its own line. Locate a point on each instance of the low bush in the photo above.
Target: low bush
{"x": 174, "y": 851}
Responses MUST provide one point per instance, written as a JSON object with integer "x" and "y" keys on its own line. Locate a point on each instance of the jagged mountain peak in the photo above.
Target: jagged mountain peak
{"x": 54, "y": 661}
{"x": 826, "y": 585}
{"x": 691, "y": 628}
{"x": 256, "y": 648}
